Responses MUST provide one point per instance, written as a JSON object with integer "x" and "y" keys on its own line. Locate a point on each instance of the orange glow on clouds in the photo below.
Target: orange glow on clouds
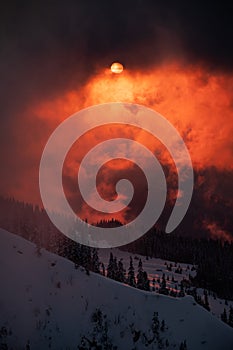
{"x": 199, "y": 104}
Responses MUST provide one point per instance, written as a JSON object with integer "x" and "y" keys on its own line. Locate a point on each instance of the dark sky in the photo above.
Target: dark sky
{"x": 50, "y": 47}
{"x": 46, "y": 45}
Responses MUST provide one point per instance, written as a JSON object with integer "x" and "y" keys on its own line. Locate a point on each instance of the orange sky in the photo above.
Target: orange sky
{"x": 197, "y": 102}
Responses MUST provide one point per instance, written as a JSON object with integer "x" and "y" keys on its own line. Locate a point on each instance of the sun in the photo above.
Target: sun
{"x": 117, "y": 68}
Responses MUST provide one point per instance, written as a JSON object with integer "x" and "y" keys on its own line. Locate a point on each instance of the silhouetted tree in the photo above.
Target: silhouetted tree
{"x": 95, "y": 261}
{"x": 131, "y": 276}
{"x": 163, "y": 289}
{"x": 230, "y": 319}
{"x": 206, "y": 301}
{"x": 224, "y": 316}
{"x": 110, "y": 269}
{"x": 120, "y": 272}
{"x": 140, "y": 277}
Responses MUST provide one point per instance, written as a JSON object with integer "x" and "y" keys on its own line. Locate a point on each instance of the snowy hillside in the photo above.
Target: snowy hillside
{"x": 157, "y": 267}
{"x": 45, "y": 303}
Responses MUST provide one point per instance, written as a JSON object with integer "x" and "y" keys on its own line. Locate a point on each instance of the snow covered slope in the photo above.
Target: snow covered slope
{"x": 45, "y": 303}
{"x": 157, "y": 267}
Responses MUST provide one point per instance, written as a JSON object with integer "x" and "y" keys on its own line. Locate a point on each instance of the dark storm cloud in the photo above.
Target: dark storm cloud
{"x": 47, "y": 45}
{"x": 47, "y": 48}
{"x": 210, "y": 212}
{"x": 211, "y": 203}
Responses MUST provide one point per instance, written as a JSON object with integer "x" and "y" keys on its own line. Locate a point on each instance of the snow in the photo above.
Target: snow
{"x": 45, "y": 300}
{"x": 155, "y": 268}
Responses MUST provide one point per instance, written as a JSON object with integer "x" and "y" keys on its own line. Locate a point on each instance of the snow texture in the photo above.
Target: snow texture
{"x": 47, "y": 303}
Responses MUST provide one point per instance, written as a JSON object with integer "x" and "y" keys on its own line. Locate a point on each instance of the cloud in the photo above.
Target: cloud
{"x": 46, "y": 49}
{"x": 217, "y": 232}
{"x": 178, "y": 61}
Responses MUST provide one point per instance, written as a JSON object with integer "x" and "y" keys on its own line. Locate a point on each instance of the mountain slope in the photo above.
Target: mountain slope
{"x": 47, "y": 303}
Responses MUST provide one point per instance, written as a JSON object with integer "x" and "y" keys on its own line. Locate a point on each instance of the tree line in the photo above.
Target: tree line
{"x": 213, "y": 258}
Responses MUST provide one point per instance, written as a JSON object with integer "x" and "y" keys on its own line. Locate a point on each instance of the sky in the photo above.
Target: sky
{"x": 178, "y": 59}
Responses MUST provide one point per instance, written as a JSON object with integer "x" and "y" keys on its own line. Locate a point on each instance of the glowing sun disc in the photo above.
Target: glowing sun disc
{"x": 117, "y": 67}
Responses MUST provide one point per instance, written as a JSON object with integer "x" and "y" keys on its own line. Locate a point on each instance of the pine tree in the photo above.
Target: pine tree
{"x": 131, "y": 276}
{"x": 120, "y": 272}
{"x": 224, "y": 316}
{"x": 146, "y": 282}
{"x": 162, "y": 328}
{"x": 183, "y": 345}
{"x": 181, "y": 292}
{"x": 28, "y": 345}
{"x": 110, "y": 269}
{"x": 206, "y": 301}
{"x": 140, "y": 277}
{"x": 155, "y": 327}
{"x": 97, "y": 338}
{"x": 163, "y": 285}
{"x": 230, "y": 319}
{"x": 153, "y": 283}
{"x": 163, "y": 289}
{"x": 86, "y": 257}
{"x": 155, "y": 324}
{"x": 115, "y": 268}
{"x": 95, "y": 261}
{"x": 103, "y": 269}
